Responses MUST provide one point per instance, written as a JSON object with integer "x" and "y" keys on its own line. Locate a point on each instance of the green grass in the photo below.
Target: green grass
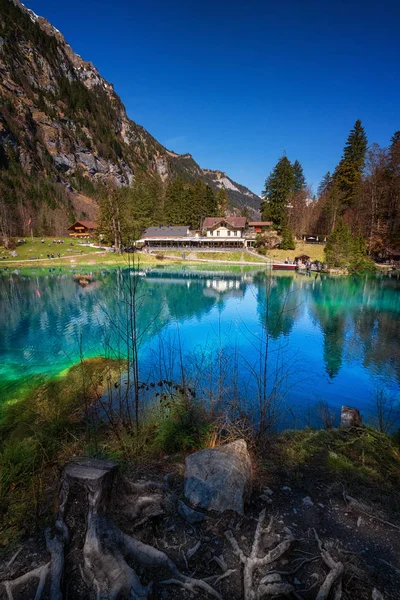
{"x": 48, "y": 424}
{"x": 39, "y": 431}
{"x": 33, "y": 249}
{"x": 314, "y": 251}
{"x": 365, "y": 461}
{"x": 231, "y": 256}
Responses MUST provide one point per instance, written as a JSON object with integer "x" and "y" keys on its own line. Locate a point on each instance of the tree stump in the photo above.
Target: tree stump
{"x": 107, "y": 552}
{"x": 350, "y": 417}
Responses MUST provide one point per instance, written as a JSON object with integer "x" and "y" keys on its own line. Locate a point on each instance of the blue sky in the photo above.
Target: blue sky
{"x": 237, "y": 82}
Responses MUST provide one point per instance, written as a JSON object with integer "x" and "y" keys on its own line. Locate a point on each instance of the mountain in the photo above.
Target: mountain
{"x": 63, "y": 130}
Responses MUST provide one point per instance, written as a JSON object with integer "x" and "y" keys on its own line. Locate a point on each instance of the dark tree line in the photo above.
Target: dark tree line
{"x": 126, "y": 212}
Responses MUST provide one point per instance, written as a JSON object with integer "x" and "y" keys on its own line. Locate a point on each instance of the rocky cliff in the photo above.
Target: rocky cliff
{"x": 63, "y": 129}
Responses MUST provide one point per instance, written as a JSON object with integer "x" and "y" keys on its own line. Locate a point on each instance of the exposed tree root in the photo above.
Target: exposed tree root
{"x": 106, "y": 549}
{"x": 54, "y": 568}
{"x": 253, "y": 562}
{"x": 40, "y": 574}
{"x": 334, "y": 576}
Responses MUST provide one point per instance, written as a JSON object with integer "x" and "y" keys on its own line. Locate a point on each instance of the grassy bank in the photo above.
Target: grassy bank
{"x": 231, "y": 256}
{"x": 39, "y": 431}
{"x": 314, "y": 251}
{"x": 54, "y": 422}
{"x": 34, "y": 249}
{"x": 34, "y": 253}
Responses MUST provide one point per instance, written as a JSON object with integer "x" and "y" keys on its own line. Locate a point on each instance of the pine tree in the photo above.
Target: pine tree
{"x": 279, "y": 187}
{"x": 174, "y": 205}
{"x": 287, "y": 242}
{"x": 143, "y": 201}
{"x": 345, "y": 250}
{"x": 339, "y": 246}
{"x": 348, "y": 173}
{"x": 211, "y": 207}
{"x": 299, "y": 179}
{"x": 325, "y": 184}
{"x": 222, "y": 202}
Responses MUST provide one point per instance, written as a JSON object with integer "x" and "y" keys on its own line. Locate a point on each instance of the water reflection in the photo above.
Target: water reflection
{"x": 345, "y": 331}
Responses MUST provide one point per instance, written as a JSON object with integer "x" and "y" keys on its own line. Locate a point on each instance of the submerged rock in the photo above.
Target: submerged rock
{"x": 219, "y": 478}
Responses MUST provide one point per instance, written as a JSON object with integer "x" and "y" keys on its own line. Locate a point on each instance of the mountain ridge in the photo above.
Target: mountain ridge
{"x": 62, "y": 123}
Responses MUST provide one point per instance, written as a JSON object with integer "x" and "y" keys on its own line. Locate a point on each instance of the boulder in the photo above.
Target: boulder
{"x": 350, "y": 417}
{"x": 219, "y": 478}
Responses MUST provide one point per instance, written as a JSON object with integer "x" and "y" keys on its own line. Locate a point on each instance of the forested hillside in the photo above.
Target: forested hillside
{"x": 64, "y": 133}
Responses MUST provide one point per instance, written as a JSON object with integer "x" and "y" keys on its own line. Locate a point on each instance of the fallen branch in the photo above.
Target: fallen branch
{"x": 359, "y": 507}
{"x": 14, "y": 556}
{"x": 395, "y": 569}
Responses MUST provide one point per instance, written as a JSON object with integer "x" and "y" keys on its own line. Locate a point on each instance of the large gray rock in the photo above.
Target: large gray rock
{"x": 219, "y": 478}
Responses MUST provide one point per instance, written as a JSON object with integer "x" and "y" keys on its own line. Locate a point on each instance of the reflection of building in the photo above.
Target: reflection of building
{"x": 216, "y": 233}
{"x": 217, "y": 287}
{"x": 212, "y": 285}
{"x": 82, "y": 229}
{"x": 223, "y": 285}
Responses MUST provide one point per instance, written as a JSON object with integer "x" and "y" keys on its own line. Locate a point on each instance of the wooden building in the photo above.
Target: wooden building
{"x": 259, "y": 226}
{"x": 82, "y": 229}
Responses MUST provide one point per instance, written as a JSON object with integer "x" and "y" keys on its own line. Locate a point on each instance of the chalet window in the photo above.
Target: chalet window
{"x": 229, "y": 233}
{"x": 218, "y": 232}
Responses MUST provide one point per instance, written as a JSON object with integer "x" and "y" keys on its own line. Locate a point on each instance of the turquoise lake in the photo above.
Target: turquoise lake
{"x": 335, "y": 339}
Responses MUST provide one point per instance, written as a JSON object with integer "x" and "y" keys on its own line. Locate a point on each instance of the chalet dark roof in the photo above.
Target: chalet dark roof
{"x": 87, "y": 224}
{"x": 260, "y": 223}
{"x": 166, "y": 231}
{"x": 232, "y": 221}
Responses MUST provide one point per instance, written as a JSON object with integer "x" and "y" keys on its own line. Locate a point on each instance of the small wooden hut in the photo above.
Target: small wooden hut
{"x": 82, "y": 229}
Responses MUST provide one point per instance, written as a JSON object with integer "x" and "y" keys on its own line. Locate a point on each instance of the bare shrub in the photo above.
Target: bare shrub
{"x": 326, "y": 414}
{"x": 385, "y": 411}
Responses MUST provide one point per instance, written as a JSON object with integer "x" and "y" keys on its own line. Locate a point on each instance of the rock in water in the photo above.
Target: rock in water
{"x": 350, "y": 417}
{"x": 219, "y": 478}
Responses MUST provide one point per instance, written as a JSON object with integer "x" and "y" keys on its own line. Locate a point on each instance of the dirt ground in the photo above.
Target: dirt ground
{"x": 302, "y": 503}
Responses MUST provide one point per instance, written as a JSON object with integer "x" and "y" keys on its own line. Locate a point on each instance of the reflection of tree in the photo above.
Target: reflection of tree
{"x": 334, "y": 338}
{"x": 43, "y": 320}
{"x": 329, "y": 309}
{"x": 367, "y": 311}
{"x": 278, "y": 304}
{"x": 377, "y": 327}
